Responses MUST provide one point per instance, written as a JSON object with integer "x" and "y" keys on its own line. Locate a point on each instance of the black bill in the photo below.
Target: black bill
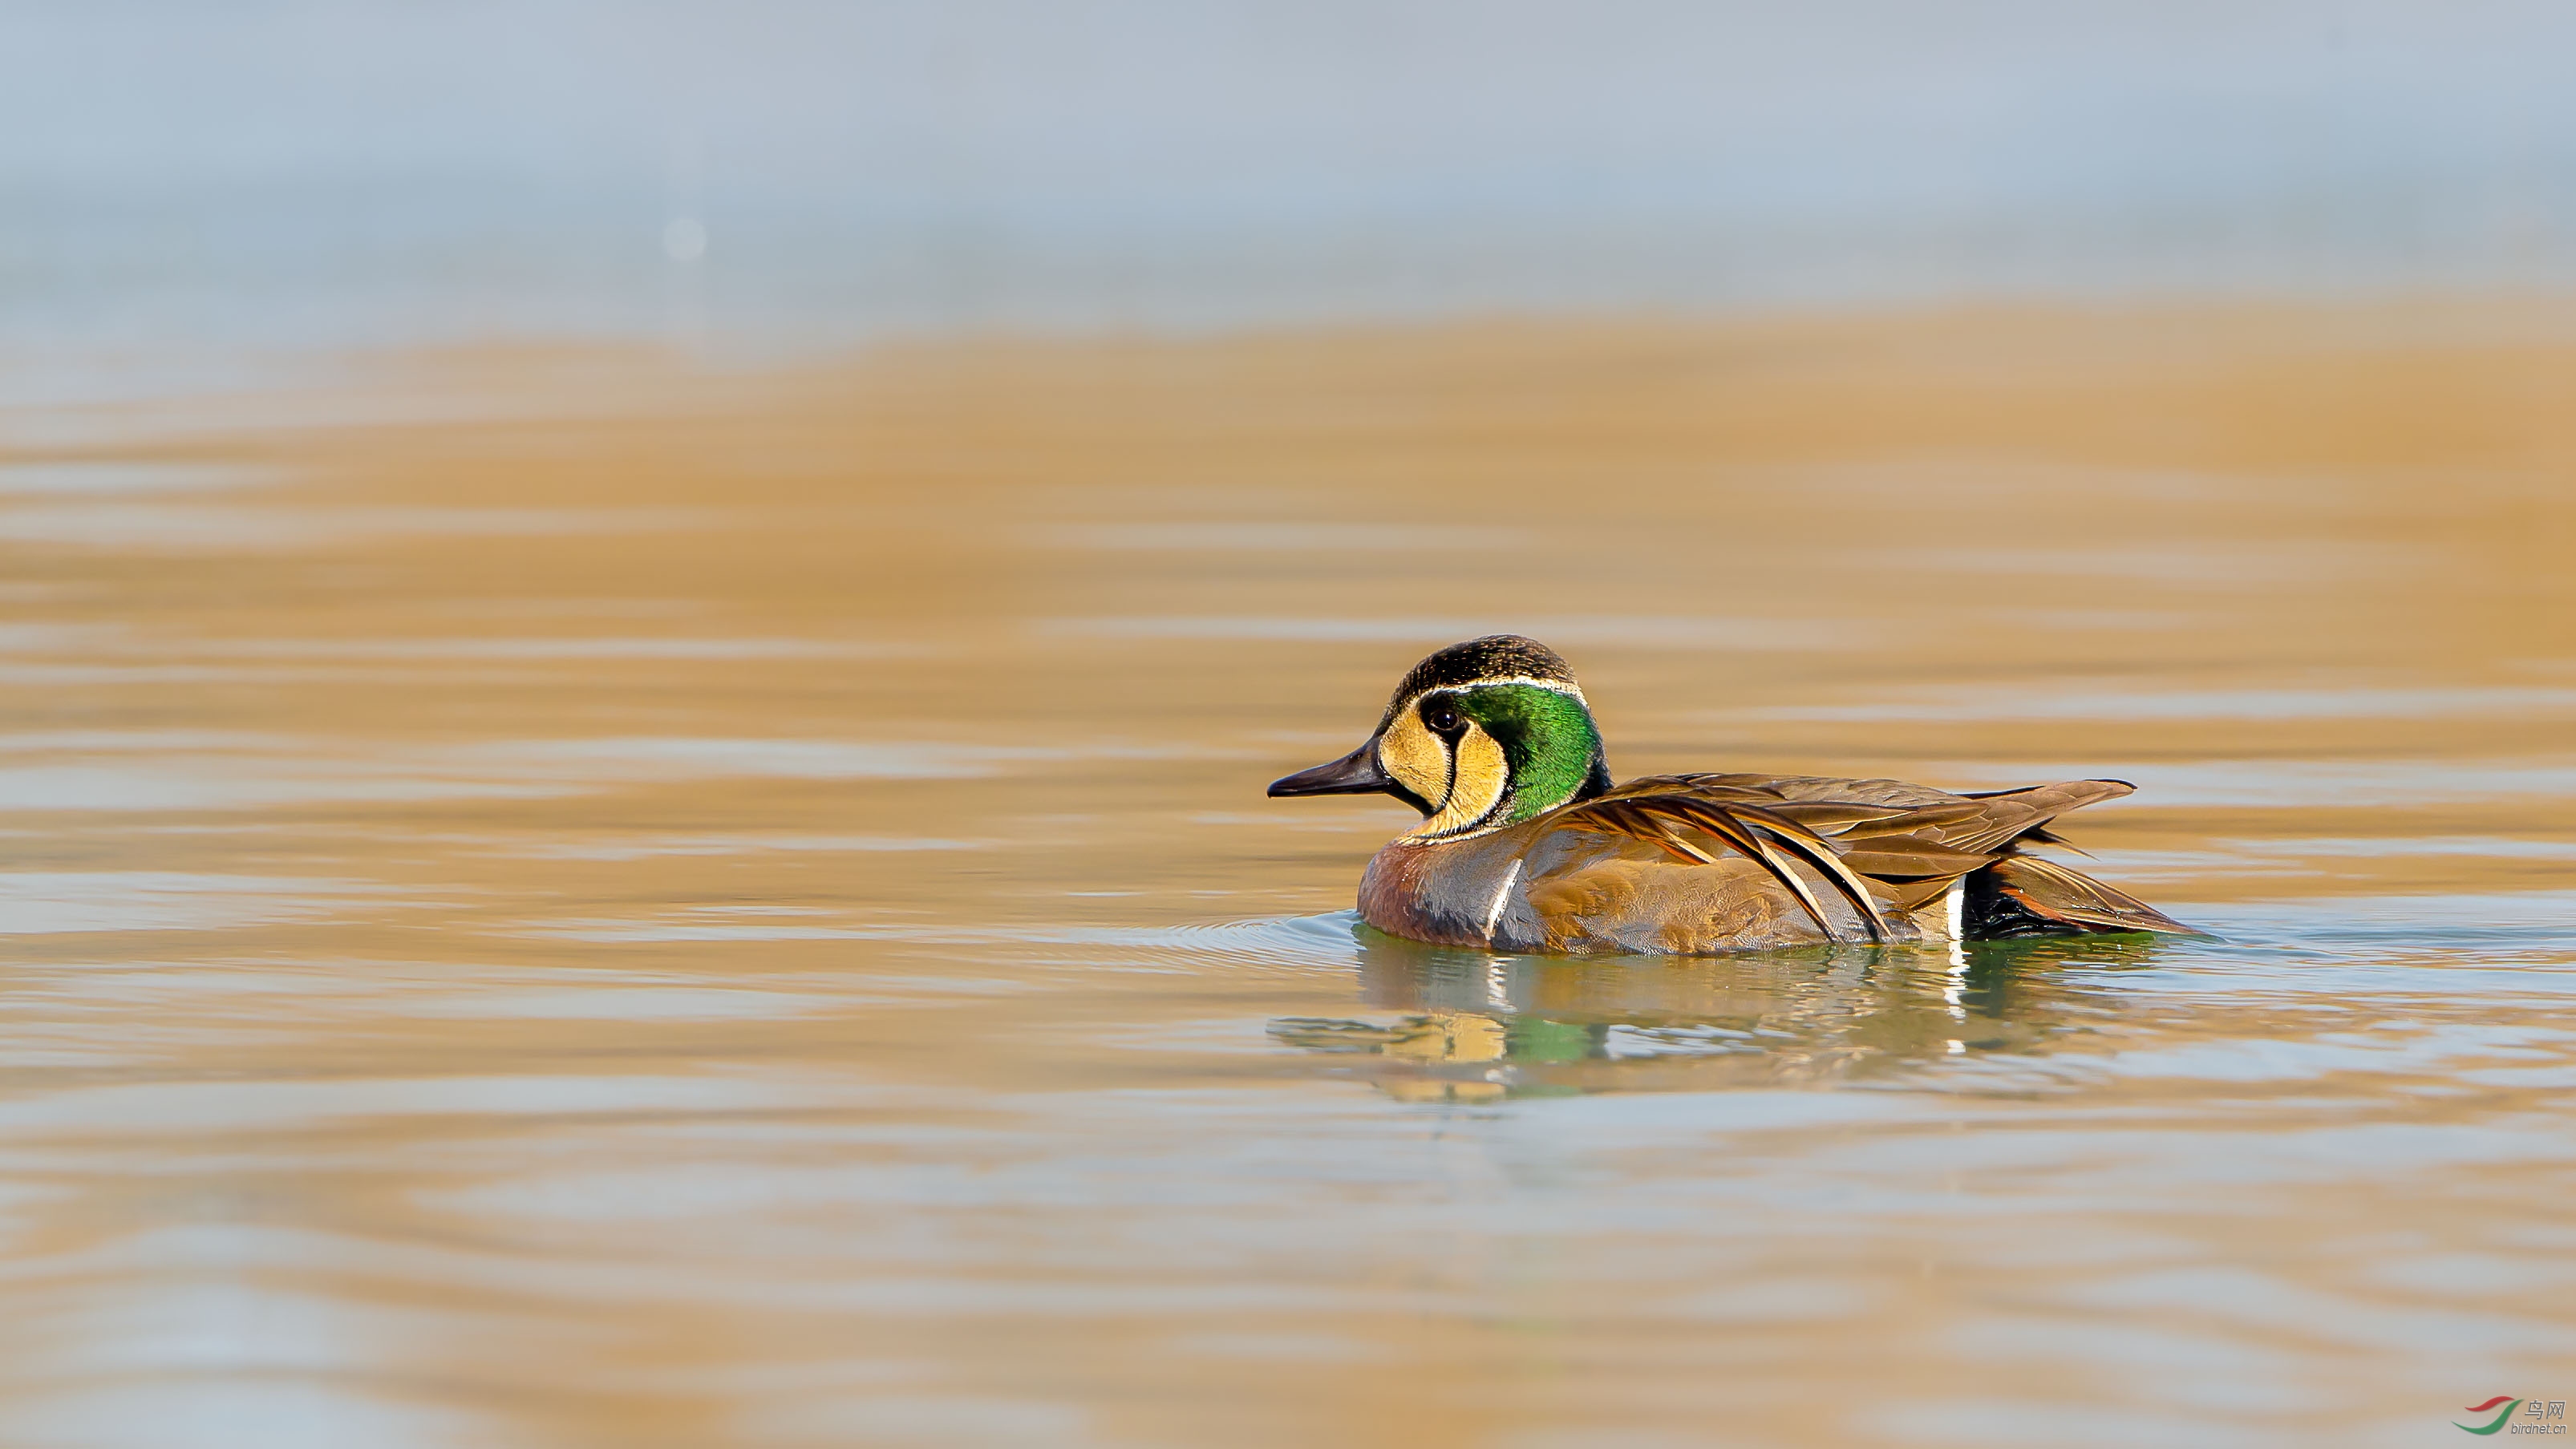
{"x": 1353, "y": 774}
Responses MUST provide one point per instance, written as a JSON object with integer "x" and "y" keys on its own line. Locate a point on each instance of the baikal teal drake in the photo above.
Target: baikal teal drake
{"x": 1527, "y": 846}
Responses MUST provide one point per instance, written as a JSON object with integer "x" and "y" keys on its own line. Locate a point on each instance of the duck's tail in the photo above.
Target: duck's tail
{"x": 2024, "y": 895}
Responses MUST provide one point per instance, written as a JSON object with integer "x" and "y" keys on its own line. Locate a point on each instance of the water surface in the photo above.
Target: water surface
{"x": 567, "y": 898}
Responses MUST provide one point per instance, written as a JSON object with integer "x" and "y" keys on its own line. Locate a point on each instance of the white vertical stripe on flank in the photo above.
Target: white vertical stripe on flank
{"x": 1494, "y": 915}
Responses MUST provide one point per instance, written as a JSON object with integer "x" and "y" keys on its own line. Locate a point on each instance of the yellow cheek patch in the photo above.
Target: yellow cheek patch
{"x": 1482, "y": 776}
{"x": 1416, "y": 758}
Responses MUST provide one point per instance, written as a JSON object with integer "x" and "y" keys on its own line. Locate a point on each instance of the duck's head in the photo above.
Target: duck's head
{"x": 1479, "y": 736}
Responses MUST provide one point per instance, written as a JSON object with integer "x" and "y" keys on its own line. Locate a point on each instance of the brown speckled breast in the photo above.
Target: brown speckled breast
{"x": 1399, "y": 895}
{"x": 1391, "y": 890}
{"x": 1451, "y": 892}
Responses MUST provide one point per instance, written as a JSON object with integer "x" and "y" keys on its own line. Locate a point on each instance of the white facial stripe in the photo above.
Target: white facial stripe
{"x": 1556, "y": 686}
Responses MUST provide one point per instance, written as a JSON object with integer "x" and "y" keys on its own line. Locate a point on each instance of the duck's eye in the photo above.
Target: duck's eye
{"x": 1442, "y": 716}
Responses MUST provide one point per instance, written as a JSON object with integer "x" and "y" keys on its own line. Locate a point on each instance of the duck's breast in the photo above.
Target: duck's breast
{"x": 1451, "y": 893}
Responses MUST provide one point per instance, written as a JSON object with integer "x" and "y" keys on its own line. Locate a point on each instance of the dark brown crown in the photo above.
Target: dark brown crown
{"x": 1496, "y": 656}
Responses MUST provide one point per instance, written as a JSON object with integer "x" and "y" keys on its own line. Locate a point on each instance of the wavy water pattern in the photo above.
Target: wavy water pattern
{"x": 669, "y": 908}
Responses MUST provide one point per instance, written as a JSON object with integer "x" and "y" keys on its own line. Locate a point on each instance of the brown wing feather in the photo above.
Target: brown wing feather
{"x": 2052, "y": 892}
{"x": 1652, "y": 823}
{"x": 1852, "y": 810}
{"x": 1879, "y": 843}
{"x": 1911, "y": 857}
{"x": 2014, "y": 814}
{"x": 1811, "y": 848}
{"x": 1648, "y": 809}
{"x": 1832, "y": 817}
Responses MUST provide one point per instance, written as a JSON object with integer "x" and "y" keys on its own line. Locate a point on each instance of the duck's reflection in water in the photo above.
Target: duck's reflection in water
{"x": 1469, "y": 1026}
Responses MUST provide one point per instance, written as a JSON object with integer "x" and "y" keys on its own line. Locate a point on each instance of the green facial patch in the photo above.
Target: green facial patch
{"x": 1549, "y": 741}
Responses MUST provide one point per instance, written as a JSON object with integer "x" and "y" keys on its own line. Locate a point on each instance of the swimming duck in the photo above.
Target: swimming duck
{"x": 1526, "y": 845}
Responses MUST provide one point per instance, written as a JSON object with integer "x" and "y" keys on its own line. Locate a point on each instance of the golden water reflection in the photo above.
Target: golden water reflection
{"x": 1475, "y": 1027}
{"x": 582, "y": 898}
